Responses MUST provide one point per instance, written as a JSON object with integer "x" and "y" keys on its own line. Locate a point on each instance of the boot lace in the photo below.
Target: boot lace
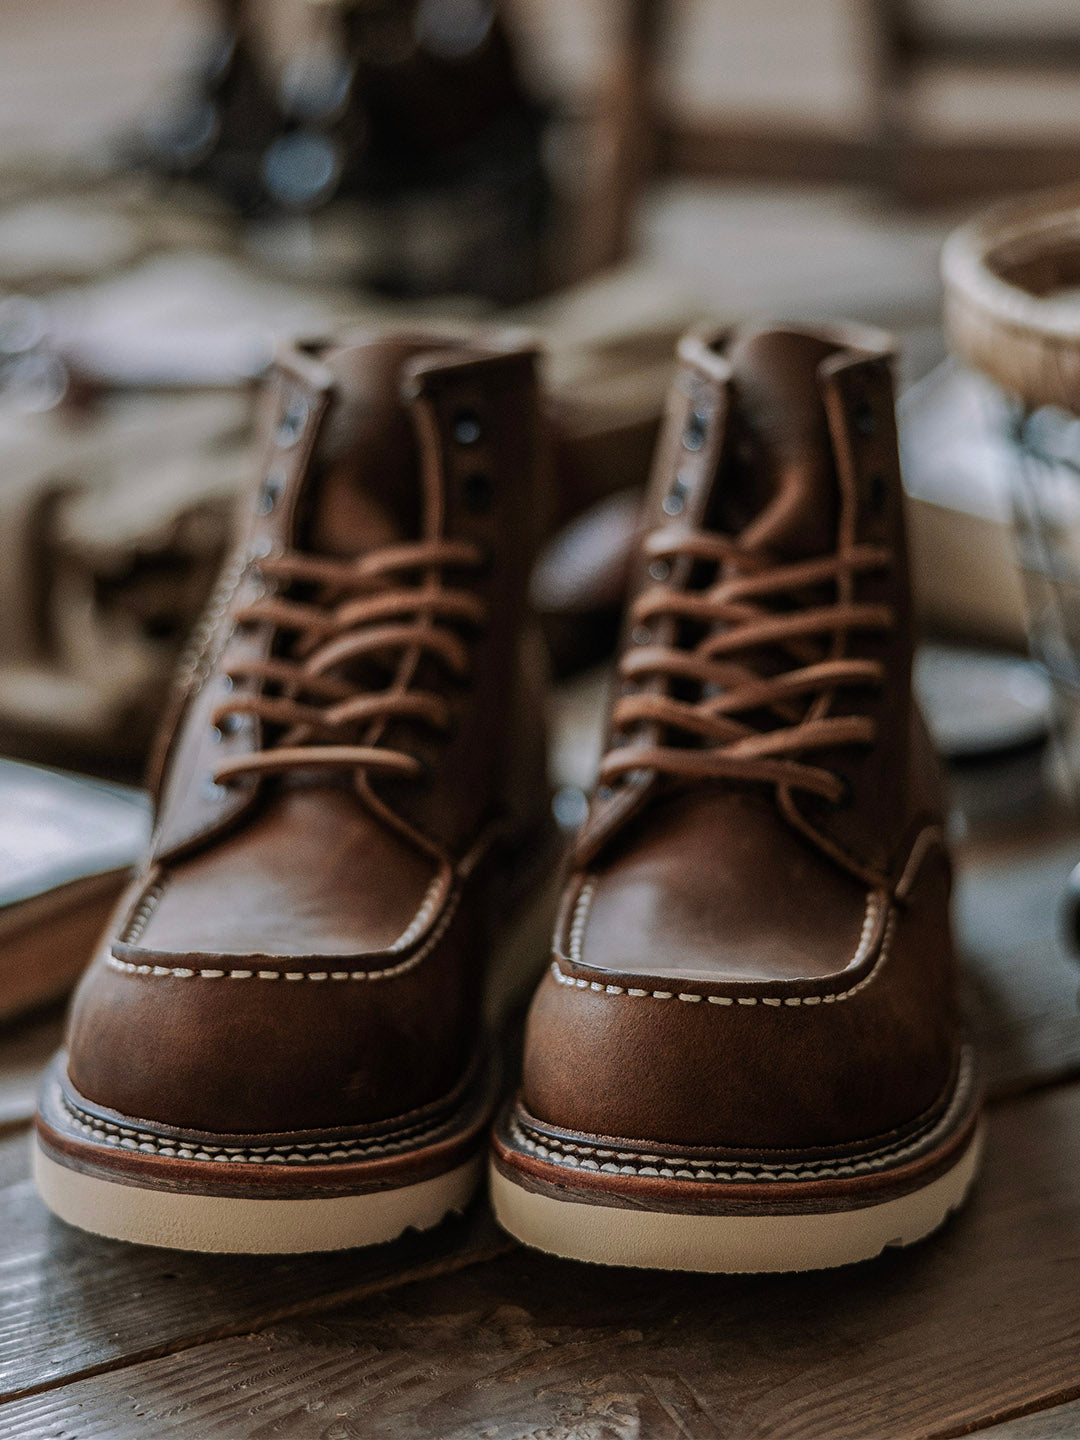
{"x": 743, "y": 616}
{"x": 391, "y": 607}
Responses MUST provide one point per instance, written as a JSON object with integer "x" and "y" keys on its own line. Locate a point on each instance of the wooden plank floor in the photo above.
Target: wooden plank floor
{"x": 463, "y": 1334}
{"x": 930, "y": 1343}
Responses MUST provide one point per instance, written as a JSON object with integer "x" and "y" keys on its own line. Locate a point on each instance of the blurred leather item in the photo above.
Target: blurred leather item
{"x": 218, "y": 125}
{"x": 112, "y": 527}
{"x": 753, "y": 970}
{"x": 415, "y": 111}
{"x": 579, "y": 582}
{"x": 67, "y": 845}
{"x": 116, "y": 512}
{"x": 351, "y": 802}
{"x": 1011, "y": 280}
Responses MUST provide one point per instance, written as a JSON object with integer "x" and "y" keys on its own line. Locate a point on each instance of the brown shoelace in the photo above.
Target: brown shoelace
{"x": 391, "y": 602}
{"x": 738, "y": 623}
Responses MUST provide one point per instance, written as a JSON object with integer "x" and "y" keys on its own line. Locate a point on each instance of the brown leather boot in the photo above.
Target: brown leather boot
{"x": 279, "y": 1046}
{"x": 746, "y": 1054}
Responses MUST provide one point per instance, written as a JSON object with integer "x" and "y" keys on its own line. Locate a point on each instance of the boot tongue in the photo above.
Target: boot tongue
{"x": 781, "y": 490}
{"x": 369, "y": 488}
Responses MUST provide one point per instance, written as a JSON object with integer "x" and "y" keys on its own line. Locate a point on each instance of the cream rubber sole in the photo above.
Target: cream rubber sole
{"x": 729, "y": 1244}
{"x": 234, "y": 1224}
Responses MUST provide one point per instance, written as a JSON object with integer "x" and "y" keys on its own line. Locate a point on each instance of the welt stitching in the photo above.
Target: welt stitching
{"x": 603, "y": 1159}
{"x": 183, "y": 972}
{"x": 124, "y": 1137}
{"x": 695, "y": 997}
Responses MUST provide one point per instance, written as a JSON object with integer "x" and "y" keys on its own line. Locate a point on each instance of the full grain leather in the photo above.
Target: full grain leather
{"x": 754, "y": 948}
{"x": 354, "y": 754}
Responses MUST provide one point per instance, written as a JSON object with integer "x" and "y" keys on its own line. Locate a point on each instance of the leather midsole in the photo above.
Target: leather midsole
{"x": 752, "y": 1240}
{"x": 305, "y": 1166}
{"x": 605, "y": 1172}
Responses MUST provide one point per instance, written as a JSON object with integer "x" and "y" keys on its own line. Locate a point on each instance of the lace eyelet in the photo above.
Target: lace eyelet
{"x": 675, "y": 500}
{"x": 466, "y": 428}
{"x": 641, "y": 635}
{"x": 659, "y": 570}
{"x": 478, "y": 492}
{"x": 570, "y": 807}
{"x": 696, "y": 429}
{"x": 863, "y": 418}
{"x": 271, "y": 490}
{"x": 291, "y": 423}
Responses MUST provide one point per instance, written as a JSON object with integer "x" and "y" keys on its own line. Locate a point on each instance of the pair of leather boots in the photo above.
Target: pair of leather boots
{"x": 745, "y": 1052}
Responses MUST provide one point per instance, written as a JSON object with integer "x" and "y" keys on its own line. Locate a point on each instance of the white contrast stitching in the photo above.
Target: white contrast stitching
{"x": 197, "y": 661}
{"x": 182, "y": 972}
{"x": 680, "y": 1167}
{"x": 581, "y": 915}
{"x": 422, "y": 916}
{"x": 693, "y": 997}
{"x": 147, "y": 905}
{"x": 122, "y": 1137}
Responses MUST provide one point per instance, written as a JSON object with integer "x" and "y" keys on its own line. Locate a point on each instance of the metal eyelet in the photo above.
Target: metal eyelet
{"x": 863, "y": 417}
{"x": 570, "y": 806}
{"x": 641, "y": 635}
{"x": 292, "y": 422}
{"x": 696, "y": 429}
{"x": 675, "y": 499}
{"x": 659, "y": 570}
{"x": 877, "y": 492}
{"x": 466, "y": 428}
{"x": 271, "y": 490}
{"x": 478, "y": 492}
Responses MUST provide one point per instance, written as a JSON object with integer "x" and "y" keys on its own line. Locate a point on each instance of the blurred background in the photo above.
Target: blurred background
{"x": 181, "y": 180}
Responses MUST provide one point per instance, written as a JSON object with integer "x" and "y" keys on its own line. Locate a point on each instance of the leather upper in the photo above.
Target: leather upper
{"x": 354, "y": 750}
{"x": 754, "y": 948}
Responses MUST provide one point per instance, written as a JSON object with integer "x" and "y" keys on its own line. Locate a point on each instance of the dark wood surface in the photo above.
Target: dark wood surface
{"x": 463, "y": 1334}
{"x": 965, "y": 1330}
{"x": 73, "y": 1305}
{"x": 1062, "y": 1422}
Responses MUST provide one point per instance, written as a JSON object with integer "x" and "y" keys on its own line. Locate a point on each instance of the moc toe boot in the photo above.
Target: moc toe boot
{"x": 746, "y": 1054}
{"x": 280, "y": 1045}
